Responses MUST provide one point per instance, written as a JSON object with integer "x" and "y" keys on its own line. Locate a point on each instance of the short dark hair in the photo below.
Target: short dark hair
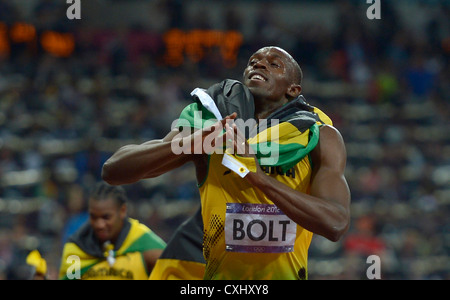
{"x": 103, "y": 191}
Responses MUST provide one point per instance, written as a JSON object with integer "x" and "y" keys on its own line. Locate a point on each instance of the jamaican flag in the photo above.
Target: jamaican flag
{"x": 282, "y": 140}
{"x": 85, "y": 258}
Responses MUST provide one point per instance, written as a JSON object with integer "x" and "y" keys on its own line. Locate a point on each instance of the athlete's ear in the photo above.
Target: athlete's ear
{"x": 294, "y": 91}
{"x": 123, "y": 211}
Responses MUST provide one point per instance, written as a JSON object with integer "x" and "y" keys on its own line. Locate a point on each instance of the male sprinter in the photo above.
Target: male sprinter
{"x": 259, "y": 218}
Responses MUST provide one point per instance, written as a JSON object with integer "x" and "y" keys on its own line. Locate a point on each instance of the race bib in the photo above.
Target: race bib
{"x": 260, "y": 228}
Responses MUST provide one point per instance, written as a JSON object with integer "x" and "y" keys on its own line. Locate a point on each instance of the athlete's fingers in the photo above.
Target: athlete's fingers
{"x": 244, "y": 142}
{"x": 230, "y": 117}
{"x": 219, "y": 140}
{"x": 239, "y": 141}
{"x": 216, "y": 127}
{"x": 236, "y": 140}
{"x": 229, "y": 137}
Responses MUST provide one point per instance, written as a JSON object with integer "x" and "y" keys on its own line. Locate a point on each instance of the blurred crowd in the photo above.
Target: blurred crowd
{"x": 385, "y": 85}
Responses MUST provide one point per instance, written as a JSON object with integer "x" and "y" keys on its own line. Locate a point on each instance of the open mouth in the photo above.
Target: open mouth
{"x": 257, "y": 77}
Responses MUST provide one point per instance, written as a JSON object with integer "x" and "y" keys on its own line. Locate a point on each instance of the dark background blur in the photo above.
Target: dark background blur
{"x": 73, "y": 91}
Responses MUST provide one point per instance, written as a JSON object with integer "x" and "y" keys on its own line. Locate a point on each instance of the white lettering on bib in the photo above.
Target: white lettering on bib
{"x": 260, "y": 228}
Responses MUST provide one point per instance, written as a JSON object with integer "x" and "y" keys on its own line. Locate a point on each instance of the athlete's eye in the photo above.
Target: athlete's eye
{"x": 276, "y": 63}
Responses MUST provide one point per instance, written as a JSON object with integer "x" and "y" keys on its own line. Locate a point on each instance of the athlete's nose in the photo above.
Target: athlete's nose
{"x": 99, "y": 224}
{"x": 260, "y": 64}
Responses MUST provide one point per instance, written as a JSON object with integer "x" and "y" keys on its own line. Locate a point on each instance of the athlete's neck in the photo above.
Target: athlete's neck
{"x": 264, "y": 107}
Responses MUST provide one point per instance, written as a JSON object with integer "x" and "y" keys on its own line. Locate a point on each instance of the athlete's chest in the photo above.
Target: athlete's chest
{"x": 297, "y": 177}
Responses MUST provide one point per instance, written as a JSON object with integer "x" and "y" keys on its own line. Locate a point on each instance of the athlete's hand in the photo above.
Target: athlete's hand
{"x": 207, "y": 140}
{"x": 235, "y": 140}
{"x": 242, "y": 148}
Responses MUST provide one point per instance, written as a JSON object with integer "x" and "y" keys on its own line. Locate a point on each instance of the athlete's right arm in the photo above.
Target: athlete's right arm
{"x": 132, "y": 163}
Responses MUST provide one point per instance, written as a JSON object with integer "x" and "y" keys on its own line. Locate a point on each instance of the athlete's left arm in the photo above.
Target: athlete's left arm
{"x": 150, "y": 258}
{"x": 326, "y": 210}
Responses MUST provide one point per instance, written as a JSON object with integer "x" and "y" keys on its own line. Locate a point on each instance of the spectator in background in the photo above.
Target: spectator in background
{"x": 111, "y": 245}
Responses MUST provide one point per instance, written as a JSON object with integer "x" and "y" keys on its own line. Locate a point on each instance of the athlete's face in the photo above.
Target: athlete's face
{"x": 106, "y": 218}
{"x": 270, "y": 74}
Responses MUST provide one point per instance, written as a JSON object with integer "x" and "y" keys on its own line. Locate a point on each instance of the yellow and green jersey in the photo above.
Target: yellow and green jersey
{"x": 245, "y": 235}
{"x": 84, "y": 256}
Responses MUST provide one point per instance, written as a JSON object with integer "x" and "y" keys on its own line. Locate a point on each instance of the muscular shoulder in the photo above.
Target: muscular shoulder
{"x": 330, "y": 134}
{"x": 331, "y": 148}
